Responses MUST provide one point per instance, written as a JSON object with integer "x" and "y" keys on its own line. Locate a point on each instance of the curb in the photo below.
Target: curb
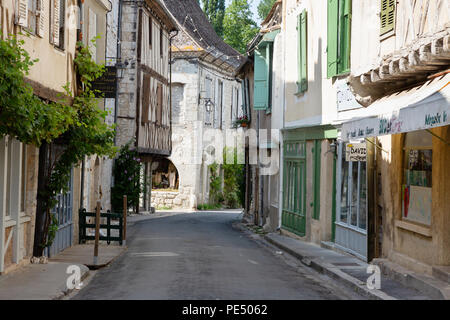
{"x": 317, "y": 265}
{"x": 65, "y": 292}
{"x": 410, "y": 279}
{"x": 349, "y": 281}
{"x": 100, "y": 266}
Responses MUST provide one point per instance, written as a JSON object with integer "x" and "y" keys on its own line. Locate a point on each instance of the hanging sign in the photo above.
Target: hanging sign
{"x": 106, "y": 84}
{"x": 356, "y": 152}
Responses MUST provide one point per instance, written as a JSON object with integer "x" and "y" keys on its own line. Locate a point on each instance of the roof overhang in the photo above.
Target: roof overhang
{"x": 419, "y": 108}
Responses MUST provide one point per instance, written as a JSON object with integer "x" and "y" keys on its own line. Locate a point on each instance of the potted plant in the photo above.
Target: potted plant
{"x": 242, "y": 122}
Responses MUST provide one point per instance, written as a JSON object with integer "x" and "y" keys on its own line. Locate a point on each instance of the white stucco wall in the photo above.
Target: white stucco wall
{"x": 188, "y": 79}
{"x": 318, "y": 104}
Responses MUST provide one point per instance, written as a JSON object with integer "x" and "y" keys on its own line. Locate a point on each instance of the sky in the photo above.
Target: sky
{"x": 254, "y": 5}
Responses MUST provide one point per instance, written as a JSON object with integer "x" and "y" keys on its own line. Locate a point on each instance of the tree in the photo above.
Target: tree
{"x": 264, "y": 8}
{"x": 238, "y": 26}
{"x": 215, "y": 11}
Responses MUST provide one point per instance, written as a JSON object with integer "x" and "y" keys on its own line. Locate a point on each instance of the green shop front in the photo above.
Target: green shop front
{"x": 306, "y": 156}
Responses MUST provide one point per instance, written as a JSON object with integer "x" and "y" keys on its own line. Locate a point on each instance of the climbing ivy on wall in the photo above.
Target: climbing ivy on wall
{"x": 77, "y": 126}
{"x": 127, "y": 169}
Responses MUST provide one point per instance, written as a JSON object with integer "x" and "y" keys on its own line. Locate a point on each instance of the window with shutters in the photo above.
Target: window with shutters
{"x": 339, "y": 36}
{"x": 262, "y": 80}
{"x": 387, "y": 16}
{"x": 32, "y": 16}
{"x": 302, "y": 52}
{"x": 57, "y": 23}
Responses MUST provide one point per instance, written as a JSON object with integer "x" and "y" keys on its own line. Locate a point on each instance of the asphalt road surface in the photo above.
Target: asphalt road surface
{"x": 197, "y": 256}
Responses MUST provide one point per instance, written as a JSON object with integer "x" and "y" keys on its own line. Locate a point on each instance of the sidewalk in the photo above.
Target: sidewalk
{"x": 346, "y": 269}
{"x": 38, "y": 282}
{"x": 48, "y": 281}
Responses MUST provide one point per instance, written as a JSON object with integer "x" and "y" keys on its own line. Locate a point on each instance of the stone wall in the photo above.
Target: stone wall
{"x": 172, "y": 200}
{"x": 188, "y": 83}
{"x": 126, "y": 123}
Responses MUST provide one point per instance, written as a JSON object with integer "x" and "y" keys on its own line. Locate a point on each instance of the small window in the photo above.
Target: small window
{"x": 417, "y": 177}
{"x": 387, "y": 16}
{"x": 62, "y": 13}
{"x": 302, "y": 52}
{"x": 32, "y": 16}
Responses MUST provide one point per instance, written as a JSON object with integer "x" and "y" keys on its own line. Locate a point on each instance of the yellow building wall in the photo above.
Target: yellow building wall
{"x": 416, "y": 246}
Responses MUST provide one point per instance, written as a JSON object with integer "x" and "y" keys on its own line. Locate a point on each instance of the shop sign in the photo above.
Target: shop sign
{"x": 432, "y": 115}
{"x": 356, "y": 152}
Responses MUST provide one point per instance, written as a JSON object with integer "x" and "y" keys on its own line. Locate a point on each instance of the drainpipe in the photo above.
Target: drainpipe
{"x": 170, "y": 80}
{"x": 83, "y": 164}
{"x": 281, "y": 180}
{"x": 118, "y": 58}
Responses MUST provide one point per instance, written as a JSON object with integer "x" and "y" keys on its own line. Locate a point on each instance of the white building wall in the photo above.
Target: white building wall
{"x": 188, "y": 79}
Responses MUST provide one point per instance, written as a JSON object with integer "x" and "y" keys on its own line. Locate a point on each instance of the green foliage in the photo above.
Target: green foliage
{"x": 234, "y": 182}
{"x": 238, "y": 26}
{"x": 163, "y": 208}
{"x": 23, "y": 115}
{"x": 206, "y": 207}
{"x": 53, "y": 228}
{"x": 215, "y": 12}
{"x": 127, "y": 168}
{"x": 264, "y": 8}
{"x": 87, "y": 134}
{"x": 215, "y": 185}
{"x": 79, "y": 127}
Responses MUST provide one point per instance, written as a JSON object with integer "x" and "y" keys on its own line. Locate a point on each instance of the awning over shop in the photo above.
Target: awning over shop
{"x": 419, "y": 108}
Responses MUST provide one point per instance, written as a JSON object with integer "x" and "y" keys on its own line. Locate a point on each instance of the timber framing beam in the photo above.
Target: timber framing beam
{"x": 400, "y": 70}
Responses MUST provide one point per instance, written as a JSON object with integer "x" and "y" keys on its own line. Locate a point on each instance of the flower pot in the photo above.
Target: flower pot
{"x": 243, "y": 125}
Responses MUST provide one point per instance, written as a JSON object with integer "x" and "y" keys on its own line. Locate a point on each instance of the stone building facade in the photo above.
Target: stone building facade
{"x": 206, "y": 97}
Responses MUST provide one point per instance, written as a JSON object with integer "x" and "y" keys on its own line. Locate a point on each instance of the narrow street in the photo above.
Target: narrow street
{"x": 201, "y": 256}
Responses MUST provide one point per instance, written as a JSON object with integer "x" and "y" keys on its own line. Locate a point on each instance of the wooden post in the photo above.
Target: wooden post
{"x": 124, "y": 240}
{"x": 97, "y": 232}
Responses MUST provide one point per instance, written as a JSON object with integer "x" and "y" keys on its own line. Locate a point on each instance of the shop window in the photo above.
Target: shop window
{"x": 353, "y": 192}
{"x": 417, "y": 177}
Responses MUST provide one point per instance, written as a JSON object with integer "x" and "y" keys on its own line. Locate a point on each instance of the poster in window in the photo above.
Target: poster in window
{"x": 417, "y": 204}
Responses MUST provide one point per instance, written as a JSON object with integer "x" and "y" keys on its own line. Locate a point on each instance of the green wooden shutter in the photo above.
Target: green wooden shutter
{"x": 344, "y": 36}
{"x": 302, "y": 28}
{"x": 388, "y": 8}
{"x": 261, "y": 92}
{"x": 332, "y": 48}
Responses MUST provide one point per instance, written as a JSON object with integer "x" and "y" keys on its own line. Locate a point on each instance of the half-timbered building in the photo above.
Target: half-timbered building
{"x": 144, "y": 112}
{"x": 206, "y": 98}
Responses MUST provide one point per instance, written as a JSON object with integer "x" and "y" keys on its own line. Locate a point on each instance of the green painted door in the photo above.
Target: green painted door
{"x": 294, "y": 193}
